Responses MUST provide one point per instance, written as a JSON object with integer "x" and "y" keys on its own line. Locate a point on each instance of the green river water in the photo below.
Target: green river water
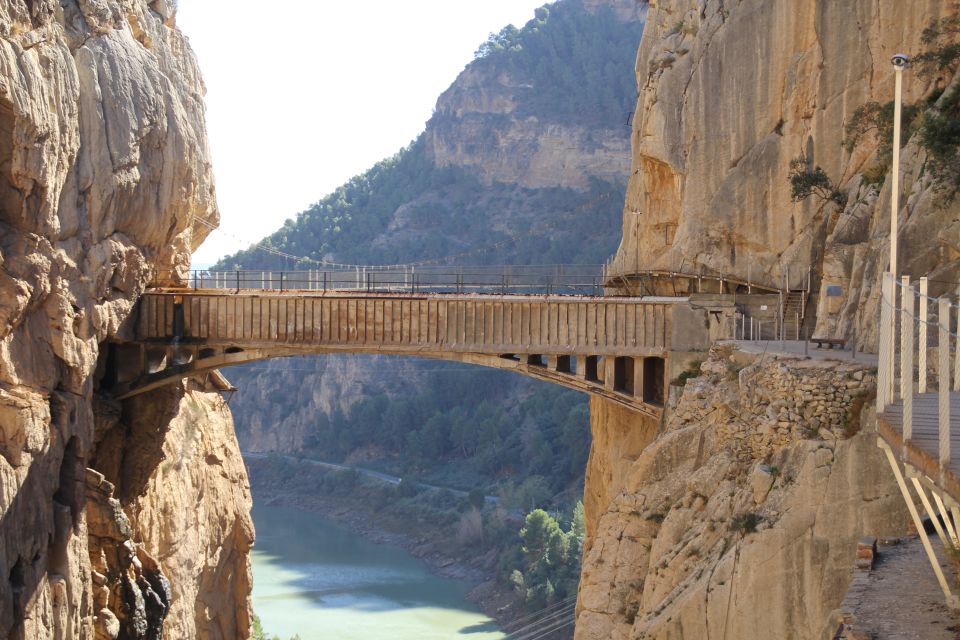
{"x": 316, "y": 579}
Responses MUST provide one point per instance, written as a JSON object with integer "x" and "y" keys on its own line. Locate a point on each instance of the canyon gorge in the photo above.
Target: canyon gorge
{"x": 734, "y": 515}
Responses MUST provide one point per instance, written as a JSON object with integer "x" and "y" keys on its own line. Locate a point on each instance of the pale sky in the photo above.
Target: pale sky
{"x": 305, "y": 94}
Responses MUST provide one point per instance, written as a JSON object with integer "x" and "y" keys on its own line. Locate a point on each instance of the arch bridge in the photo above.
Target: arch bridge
{"x": 623, "y": 348}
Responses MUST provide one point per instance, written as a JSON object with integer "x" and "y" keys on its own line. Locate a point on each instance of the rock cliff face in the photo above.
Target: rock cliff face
{"x": 476, "y": 126}
{"x": 104, "y": 171}
{"x": 740, "y": 519}
{"x": 730, "y": 92}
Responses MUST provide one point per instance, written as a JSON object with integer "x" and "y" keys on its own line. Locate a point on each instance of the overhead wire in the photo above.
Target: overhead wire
{"x": 538, "y": 627}
{"x": 545, "y": 623}
{"x": 521, "y": 621}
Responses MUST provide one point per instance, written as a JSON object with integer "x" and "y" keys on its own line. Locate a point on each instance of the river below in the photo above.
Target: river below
{"x": 314, "y": 578}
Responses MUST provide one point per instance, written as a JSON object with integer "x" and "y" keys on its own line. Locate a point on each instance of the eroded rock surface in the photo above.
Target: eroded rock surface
{"x": 730, "y": 93}
{"x": 740, "y": 519}
{"x": 104, "y": 173}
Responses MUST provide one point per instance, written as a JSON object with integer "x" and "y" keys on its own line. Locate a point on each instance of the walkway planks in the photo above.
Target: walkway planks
{"x": 922, "y": 450}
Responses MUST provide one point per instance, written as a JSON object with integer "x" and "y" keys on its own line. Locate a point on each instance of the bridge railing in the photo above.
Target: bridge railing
{"x": 789, "y": 279}
{"x": 551, "y": 279}
{"x": 918, "y": 357}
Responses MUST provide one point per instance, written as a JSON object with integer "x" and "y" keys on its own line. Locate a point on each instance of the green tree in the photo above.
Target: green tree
{"x": 806, "y": 181}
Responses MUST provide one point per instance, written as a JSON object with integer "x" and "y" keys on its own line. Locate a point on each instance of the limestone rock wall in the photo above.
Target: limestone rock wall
{"x": 104, "y": 170}
{"x": 476, "y": 127}
{"x": 173, "y": 458}
{"x": 729, "y": 93}
{"x": 739, "y": 519}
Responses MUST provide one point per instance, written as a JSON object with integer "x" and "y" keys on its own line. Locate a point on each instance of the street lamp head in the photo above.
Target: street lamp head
{"x": 900, "y": 61}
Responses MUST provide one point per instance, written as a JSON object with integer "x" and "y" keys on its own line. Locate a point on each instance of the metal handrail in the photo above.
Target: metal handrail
{"x": 487, "y": 279}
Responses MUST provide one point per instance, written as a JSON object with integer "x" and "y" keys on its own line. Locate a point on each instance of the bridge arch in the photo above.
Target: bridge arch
{"x": 608, "y": 346}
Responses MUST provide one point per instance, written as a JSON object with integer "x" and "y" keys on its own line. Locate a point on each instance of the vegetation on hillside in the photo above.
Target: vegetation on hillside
{"x": 571, "y": 66}
{"x": 456, "y": 433}
{"x": 447, "y": 212}
{"x": 545, "y": 567}
{"x": 538, "y": 551}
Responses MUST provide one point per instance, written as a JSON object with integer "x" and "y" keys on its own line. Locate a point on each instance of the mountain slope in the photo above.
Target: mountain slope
{"x": 524, "y": 161}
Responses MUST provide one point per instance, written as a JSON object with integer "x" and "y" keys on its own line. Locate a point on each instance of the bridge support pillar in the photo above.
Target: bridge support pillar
{"x": 638, "y": 377}
{"x": 609, "y": 372}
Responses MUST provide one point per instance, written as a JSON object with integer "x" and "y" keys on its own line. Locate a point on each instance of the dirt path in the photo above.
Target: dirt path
{"x": 901, "y": 599}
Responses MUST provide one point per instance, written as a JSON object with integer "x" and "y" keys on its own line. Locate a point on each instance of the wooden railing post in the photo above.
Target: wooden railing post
{"x": 906, "y": 357}
{"x": 943, "y": 390}
{"x": 885, "y": 365}
{"x": 956, "y": 361}
{"x": 922, "y": 346}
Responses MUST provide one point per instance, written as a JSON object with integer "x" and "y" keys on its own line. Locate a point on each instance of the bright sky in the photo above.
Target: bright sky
{"x": 303, "y": 95}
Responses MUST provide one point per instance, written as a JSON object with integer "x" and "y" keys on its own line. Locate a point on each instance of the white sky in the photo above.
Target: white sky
{"x": 305, "y": 94}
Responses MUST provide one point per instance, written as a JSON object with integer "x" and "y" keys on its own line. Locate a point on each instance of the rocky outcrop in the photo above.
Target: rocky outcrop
{"x": 174, "y": 460}
{"x": 478, "y": 125}
{"x": 104, "y": 171}
{"x": 740, "y": 518}
{"x": 475, "y": 128}
{"x": 730, "y": 93}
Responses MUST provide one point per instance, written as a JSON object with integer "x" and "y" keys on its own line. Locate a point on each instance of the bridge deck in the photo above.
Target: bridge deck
{"x": 623, "y": 348}
{"x": 483, "y": 323}
{"x": 922, "y": 450}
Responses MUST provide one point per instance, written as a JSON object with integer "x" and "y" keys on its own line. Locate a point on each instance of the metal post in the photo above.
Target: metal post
{"x": 194, "y": 279}
{"x": 943, "y": 391}
{"x": 922, "y": 346}
{"x": 238, "y": 281}
{"x": 281, "y": 281}
{"x": 906, "y": 357}
{"x": 895, "y": 182}
{"x": 324, "y": 280}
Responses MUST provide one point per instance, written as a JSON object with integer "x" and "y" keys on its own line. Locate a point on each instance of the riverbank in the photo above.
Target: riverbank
{"x": 446, "y": 549}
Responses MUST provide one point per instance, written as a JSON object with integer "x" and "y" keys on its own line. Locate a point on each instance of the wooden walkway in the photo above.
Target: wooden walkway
{"x": 922, "y": 451}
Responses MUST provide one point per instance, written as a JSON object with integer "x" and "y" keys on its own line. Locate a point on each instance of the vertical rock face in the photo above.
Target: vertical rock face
{"x": 740, "y": 519}
{"x": 480, "y": 125}
{"x": 104, "y": 173}
{"x": 730, "y": 93}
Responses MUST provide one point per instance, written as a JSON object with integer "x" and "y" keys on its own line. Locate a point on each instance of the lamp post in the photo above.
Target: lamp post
{"x": 900, "y": 62}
